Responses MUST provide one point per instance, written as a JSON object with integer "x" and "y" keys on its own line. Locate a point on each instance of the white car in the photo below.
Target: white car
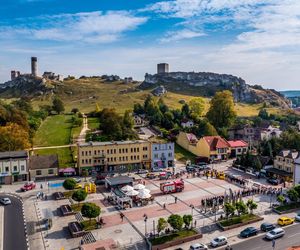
{"x": 5, "y": 201}
{"x": 297, "y": 217}
{"x": 219, "y": 241}
{"x": 275, "y": 233}
{"x": 198, "y": 246}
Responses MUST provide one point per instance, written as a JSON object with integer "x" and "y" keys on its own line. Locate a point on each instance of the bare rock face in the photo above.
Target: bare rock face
{"x": 206, "y": 83}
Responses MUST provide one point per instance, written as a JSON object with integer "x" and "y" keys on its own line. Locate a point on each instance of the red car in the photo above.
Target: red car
{"x": 28, "y": 186}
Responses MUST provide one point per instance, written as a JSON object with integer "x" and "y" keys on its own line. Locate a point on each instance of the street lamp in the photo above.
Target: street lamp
{"x": 154, "y": 228}
{"x": 192, "y": 207}
{"x": 145, "y": 220}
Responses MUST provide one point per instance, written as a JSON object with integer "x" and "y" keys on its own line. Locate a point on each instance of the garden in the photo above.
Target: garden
{"x": 288, "y": 202}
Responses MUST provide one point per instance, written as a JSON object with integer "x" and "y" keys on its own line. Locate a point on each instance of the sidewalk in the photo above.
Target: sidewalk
{"x": 1, "y": 226}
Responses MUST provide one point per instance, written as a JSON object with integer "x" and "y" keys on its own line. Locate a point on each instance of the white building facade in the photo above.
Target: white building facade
{"x": 297, "y": 172}
{"x": 162, "y": 155}
{"x": 13, "y": 166}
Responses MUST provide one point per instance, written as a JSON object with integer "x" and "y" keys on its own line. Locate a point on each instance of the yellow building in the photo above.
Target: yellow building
{"x": 114, "y": 156}
{"x": 212, "y": 147}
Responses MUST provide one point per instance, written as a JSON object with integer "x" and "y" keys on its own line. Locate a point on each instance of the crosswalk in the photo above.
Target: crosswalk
{"x": 88, "y": 238}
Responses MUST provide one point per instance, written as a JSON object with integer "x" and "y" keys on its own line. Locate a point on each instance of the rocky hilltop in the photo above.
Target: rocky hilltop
{"x": 25, "y": 86}
{"x": 206, "y": 84}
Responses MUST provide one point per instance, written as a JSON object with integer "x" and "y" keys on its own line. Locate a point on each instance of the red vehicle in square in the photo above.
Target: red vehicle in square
{"x": 172, "y": 186}
{"x": 28, "y": 186}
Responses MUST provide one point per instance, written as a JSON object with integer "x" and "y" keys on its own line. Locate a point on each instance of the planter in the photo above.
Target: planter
{"x": 225, "y": 228}
{"x": 176, "y": 242}
{"x": 286, "y": 211}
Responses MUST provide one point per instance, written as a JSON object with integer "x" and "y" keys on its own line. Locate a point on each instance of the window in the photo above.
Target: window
{"x": 120, "y": 158}
{"x": 115, "y": 159}
{"x": 138, "y": 149}
{"x": 126, "y": 150}
{"x": 134, "y": 157}
{"x": 120, "y": 151}
{"x": 22, "y": 168}
{"x": 86, "y": 153}
{"x": 131, "y": 157}
{"x": 38, "y": 172}
{"x": 115, "y": 151}
{"x": 6, "y": 169}
{"x": 131, "y": 150}
{"x": 90, "y": 152}
{"x": 107, "y": 151}
{"x": 170, "y": 154}
{"x": 134, "y": 150}
{"x": 90, "y": 161}
{"x": 126, "y": 158}
{"x": 138, "y": 157}
{"x": 82, "y": 153}
{"x": 155, "y": 148}
{"x": 123, "y": 158}
{"x": 95, "y": 152}
{"x": 145, "y": 148}
{"x": 155, "y": 155}
{"x": 123, "y": 150}
{"x": 50, "y": 171}
{"x": 111, "y": 151}
{"x": 15, "y": 168}
{"x": 145, "y": 156}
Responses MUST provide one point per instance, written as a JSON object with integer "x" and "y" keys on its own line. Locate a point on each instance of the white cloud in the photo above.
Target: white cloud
{"x": 174, "y": 36}
{"x": 94, "y": 27}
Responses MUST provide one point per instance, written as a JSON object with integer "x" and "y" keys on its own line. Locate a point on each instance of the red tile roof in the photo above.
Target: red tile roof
{"x": 238, "y": 144}
{"x": 215, "y": 142}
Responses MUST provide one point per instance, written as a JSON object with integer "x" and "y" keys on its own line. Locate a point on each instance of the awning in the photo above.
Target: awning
{"x": 279, "y": 172}
{"x": 67, "y": 170}
{"x": 86, "y": 168}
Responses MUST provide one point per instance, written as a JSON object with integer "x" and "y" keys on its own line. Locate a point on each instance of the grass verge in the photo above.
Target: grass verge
{"x": 65, "y": 155}
{"x": 76, "y": 207}
{"x": 68, "y": 194}
{"x": 93, "y": 123}
{"x": 182, "y": 155}
{"x": 174, "y": 236}
{"x": 89, "y": 225}
{"x": 238, "y": 219}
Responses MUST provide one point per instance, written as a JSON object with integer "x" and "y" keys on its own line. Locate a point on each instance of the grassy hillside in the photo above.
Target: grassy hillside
{"x": 85, "y": 93}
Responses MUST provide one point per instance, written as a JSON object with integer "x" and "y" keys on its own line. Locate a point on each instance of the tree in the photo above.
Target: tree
{"x": 293, "y": 194}
{"x": 280, "y": 199}
{"x": 297, "y": 189}
{"x": 74, "y": 110}
{"x": 229, "y": 209}
{"x": 263, "y": 114}
{"x": 128, "y": 120}
{"x": 111, "y": 124}
{"x": 162, "y": 106}
{"x": 205, "y": 129}
{"x": 196, "y": 106}
{"x": 79, "y": 195}
{"x": 77, "y": 122}
{"x": 241, "y": 207}
{"x": 138, "y": 109}
{"x": 221, "y": 112}
{"x": 187, "y": 219}
{"x": 251, "y": 205}
{"x": 69, "y": 184}
{"x": 162, "y": 224}
{"x": 175, "y": 221}
{"x": 185, "y": 110}
{"x": 58, "y": 105}
{"x": 90, "y": 210}
{"x": 13, "y": 137}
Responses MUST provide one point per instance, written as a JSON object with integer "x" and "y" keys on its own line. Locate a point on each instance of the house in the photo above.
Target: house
{"x": 284, "y": 165}
{"x": 185, "y": 123}
{"x": 269, "y": 133}
{"x": 113, "y": 156}
{"x": 296, "y": 176}
{"x": 43, "y": 166}
{"x": 139, "y": 121}
{"x": 162, "y": 155}
{"x": 245, "y": 133}
{"x": 238, "y": 147}
{"x": 13, "y": 166}
{"x": 298, "y": 125}
{"x": 214, "y": 148}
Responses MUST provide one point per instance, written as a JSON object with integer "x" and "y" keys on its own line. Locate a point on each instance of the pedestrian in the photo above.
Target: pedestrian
{"x": 122, "y": 216}
{"x": 176, "y": 199}
{"x": 164, "y": 206}
{"x": 41, "y": 186}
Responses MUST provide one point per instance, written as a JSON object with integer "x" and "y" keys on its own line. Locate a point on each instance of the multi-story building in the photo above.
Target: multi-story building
{"x": 245, "y": 133}
{"x": 284, "y": 164}
{"x": 296, "y": 177}
{"x": 115, "y": 156}
{"x": 269, "y": 133}
{"x": 162, "y": 155}
{"x": 43, "y": 166}
{"x": 13, "y": 166}
{"x": 238, "y": 147}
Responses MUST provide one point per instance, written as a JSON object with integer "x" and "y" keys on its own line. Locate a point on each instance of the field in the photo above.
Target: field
{"x": 93, "y": 123}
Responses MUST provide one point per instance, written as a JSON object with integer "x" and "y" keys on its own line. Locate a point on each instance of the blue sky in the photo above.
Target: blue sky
{"x": 258, "y": 40}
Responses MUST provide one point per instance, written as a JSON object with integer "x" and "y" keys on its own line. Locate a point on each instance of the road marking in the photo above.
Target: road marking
{"x": 1, "y": 226}
{"x": 291, "y": 236}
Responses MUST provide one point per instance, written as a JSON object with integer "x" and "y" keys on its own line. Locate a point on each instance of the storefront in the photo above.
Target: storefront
{"x": 5, "y": 178}
{"x": 279, "y": 174}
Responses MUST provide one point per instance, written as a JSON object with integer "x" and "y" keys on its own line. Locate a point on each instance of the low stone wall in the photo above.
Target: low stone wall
{"x": 177, "y": 242}
{"x": 240, "y": 224}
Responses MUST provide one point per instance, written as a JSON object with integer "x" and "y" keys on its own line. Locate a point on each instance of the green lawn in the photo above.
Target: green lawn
{"x": 89, "y": 225}
{"x": 93, "y": 123}
{"x": 287, "y": 207}
{"x": 54, "y": 131}
{"x": 238, "y": 219}
{"x": 65, "y": 156}
{"x": 75, "y": 132}
{"x": 182, "y": 155}
{"x": 68, "y": 194}
{"x": 77, "y": 207}
{"x": 171, "y": 237}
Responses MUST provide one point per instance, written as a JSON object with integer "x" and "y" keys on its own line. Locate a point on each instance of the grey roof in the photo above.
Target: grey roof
{"x": 104, "y": 143}
{"x": 13, "y": 154}
{"x": 43, "y": 162}
{"x": 119, "y": 180}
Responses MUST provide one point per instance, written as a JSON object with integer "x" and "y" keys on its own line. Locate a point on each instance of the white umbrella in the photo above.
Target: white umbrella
{"x": 132, "y": 193}
{"x": 146, "y": 191}
{"x": 142, "y": 195}
{"x": 139, "y": 186}
{"x": 127, "y": 188}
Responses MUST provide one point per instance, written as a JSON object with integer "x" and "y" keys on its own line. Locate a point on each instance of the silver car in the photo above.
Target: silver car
{"x": 275, "y": 233}
{"x": 5, "y": 201}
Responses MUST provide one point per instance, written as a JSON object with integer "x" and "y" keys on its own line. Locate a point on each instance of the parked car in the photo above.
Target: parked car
{"x": 142, "y": 171}
{"x": 297, "y": 217}
{"x": 249, "y": 231}
{"x": 265, "y": 227}
{"x": 78, "y": 180}
{"x": 198, "y": 246}
{"x": 275, "y": 233}
{"x": 5, "y": 201}
{"x": 99, "y": 181}
{"x": 283, "y": 221}
{"x": 273, "y": 181}
{"x": 190, "y": 169}
{"x": 151, "y": 175}
{"x": 218, "y": 241}
{"x": 28, "y": 186}
{"x": 78, "y": 186}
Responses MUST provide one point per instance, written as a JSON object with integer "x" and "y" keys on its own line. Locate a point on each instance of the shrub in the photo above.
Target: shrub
{"x": 90, "y": 210}
{"x": 69, "y": 184}
{"x": 175, "y": 221}
{"x": 79, "y": 195}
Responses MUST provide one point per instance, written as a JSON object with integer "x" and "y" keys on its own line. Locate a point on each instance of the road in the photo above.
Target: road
{"x": 14, "y": 234}
{"x": 291, "y": 238}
